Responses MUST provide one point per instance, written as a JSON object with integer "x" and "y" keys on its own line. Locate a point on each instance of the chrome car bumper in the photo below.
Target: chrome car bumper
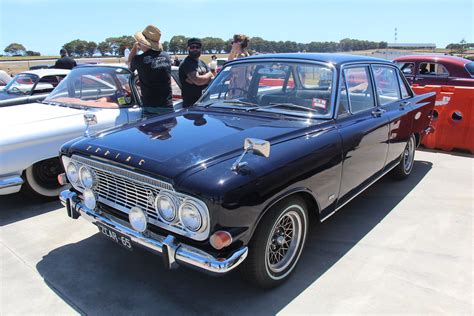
{"x": 174, "y": 253}
{"x": 10, "y": 184}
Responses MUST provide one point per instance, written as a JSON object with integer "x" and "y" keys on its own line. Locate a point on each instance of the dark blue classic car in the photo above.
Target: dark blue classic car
{"x": 274, "y": 142}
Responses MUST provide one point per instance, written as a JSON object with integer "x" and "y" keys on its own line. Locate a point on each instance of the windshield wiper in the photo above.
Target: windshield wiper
{"x": 238, "y": 102}
{"x": 286, "y": 105}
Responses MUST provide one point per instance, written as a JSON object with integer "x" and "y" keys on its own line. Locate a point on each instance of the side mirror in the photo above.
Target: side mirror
{"x": 89, "y": 119}
{"x": 257, "y": 146}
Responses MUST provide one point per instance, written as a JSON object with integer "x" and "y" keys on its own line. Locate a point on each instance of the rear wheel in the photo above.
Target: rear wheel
{"x": 277, "y": 245}
{"x": 405, "y": 166}
{"x": 41, "y": 179}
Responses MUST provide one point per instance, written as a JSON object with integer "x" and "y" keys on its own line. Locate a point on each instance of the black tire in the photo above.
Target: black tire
{"x": 285, "y": 224}
{"x": 41, "y": 180}
{"x": 405, "y": 166}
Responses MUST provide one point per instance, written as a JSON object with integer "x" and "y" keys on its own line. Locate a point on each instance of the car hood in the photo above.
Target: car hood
{"x": 34, "y": 112}
{"x": 175, "y": 144}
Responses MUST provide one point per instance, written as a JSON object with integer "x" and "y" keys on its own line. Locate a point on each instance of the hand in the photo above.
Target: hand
{"x": 136, "y": 46}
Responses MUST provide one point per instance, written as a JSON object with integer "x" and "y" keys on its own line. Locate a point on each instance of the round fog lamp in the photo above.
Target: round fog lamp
{"x": 72, "y": 173}
{"x": 87, "y": 177}
{"x": 138, "y": 219}
{"x": 90, "y": 199}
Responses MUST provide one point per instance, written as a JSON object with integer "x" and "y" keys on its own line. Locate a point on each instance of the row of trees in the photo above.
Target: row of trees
{"x": 178, "y": 45}
{"x": 115, "y": 46}
{"x": 16, "y": 49}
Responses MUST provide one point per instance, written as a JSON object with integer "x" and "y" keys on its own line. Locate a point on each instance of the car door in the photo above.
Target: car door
{"x": 393, "y": 96}
{"x": 364, "y": 131}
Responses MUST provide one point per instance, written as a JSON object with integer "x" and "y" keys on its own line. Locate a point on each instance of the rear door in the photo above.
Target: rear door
{"x": 364, "y": 131}
{"x": 393, "y": 96}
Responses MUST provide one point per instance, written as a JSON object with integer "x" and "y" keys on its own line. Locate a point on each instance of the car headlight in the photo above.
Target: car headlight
{"x": 191, "y": 216}
{"x": 90, "y": 199}
{"x": 72, "y": 173}
{"x": 87, "y": 177}
{"x": 166, "y": 206}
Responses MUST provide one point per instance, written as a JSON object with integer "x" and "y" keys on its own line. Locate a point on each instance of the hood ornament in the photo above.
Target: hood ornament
{"x": 89, "y": 119}
{"x": 257, "y": 146}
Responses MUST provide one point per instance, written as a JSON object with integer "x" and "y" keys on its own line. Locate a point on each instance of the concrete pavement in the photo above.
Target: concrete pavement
{"x": 400, "y": 247}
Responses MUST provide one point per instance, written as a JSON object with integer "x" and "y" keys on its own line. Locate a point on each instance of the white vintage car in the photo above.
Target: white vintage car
{"x": 31, "y": 134}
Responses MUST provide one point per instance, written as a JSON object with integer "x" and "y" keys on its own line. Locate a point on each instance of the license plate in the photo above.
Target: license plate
{"x": 114, "y": 235}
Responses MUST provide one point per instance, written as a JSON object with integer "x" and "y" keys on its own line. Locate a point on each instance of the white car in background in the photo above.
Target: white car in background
{"x": 31, "y": 86}
{"x": 31, "y": 134}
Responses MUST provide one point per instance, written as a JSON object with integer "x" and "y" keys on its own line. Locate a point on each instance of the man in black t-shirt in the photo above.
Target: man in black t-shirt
{"x": 194, "y": 74}
{"x": 65, "y": 62}
{"x": 154, "y": 71}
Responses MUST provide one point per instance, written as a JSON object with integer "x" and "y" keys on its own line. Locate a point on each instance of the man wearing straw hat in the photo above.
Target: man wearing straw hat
{"x": 154, "y": 71}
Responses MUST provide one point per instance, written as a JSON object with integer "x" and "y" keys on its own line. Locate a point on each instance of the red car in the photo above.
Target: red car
{"x": 437, "y": 70}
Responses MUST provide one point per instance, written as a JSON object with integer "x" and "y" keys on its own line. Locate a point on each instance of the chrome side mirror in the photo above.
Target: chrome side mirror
{"x": 254, "y": 145}
{"x": 89, "y": 119}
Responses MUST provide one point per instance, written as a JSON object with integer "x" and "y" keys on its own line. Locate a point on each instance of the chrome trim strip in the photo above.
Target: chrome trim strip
{"x": 10, "y": 181}
{"x": 357, "y": 194}
{"x": 183, "y": 254}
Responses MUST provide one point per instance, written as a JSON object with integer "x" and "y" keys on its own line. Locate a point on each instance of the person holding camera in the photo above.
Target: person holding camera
{"x": 194, "y": 74}
{"x": 154, "y": 71}
{"x": 240, "y": 43}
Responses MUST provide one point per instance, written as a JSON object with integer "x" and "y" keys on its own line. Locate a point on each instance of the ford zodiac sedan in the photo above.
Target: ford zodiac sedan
{"x": 275, "y": 142}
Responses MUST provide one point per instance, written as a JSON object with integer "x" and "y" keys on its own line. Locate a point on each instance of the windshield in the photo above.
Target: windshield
{"x": 284, "y": 87}
{"x": 22, "y": 84}
{"x": 103, "y": 87}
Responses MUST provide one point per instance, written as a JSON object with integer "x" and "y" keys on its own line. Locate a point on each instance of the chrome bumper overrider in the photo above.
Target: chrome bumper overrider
{"x": 10, "y": 184}
{"x": 174, "y": 253}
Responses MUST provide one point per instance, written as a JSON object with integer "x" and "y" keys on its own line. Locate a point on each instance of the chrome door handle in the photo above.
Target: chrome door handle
{"x": 405, "y": 103}
{"x": 378, "y": 112}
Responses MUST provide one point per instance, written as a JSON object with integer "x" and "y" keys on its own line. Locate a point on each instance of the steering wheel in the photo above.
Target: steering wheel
{"x": 232, "y": 89}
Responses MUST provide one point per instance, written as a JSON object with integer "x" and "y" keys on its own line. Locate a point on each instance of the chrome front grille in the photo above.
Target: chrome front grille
{"x": 122, "y": 189}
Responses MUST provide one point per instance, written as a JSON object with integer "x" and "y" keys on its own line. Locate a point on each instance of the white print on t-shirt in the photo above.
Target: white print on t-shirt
{"x": 157, "y": 62}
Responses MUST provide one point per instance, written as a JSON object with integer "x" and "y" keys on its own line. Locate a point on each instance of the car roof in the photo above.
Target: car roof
{"x": 435, "y": 58}
{"x": 336, "y": 59}
{"x": 47, "y": 72}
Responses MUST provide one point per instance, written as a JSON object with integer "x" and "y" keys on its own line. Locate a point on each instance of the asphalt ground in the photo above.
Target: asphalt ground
{"x": 399, "y": 248}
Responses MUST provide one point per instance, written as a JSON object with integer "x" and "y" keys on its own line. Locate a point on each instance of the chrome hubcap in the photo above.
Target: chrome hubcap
{"x": 409, "y": 154}
{"x": 284, "y": 241}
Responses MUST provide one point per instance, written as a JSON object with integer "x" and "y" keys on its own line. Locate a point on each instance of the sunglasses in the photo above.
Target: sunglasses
{"x": 194, "y": 47}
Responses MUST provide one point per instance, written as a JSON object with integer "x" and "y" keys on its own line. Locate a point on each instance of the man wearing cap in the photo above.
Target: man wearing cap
{"x": 194, "y": 74}
{"x": 65, "y": 62}
{"x": 154, "y": 71}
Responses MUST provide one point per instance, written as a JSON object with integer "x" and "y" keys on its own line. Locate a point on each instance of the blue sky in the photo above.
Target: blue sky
{"x": 45, "y": 25}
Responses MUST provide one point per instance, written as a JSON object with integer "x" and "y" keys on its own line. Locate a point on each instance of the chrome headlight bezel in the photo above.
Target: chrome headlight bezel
{"x": 174, "y": 204}
{"x": 199, "y": 209}
{"x": 71, "y": 178}
{"x": 93, "y": 178}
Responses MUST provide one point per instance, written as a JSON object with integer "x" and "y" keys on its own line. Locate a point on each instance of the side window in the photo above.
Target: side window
{"x": 403, "y": 87}
{"x": 387, "y": 84}
{"x": 433, "y": 69}
{"x": 408, "y": 68}
{"x": 360, "y": 89}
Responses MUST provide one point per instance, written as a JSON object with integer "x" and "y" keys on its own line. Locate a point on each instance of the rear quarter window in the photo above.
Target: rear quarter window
{"x": 470, "y": 68}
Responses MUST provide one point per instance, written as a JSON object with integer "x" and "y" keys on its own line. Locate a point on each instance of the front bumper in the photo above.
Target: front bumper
{"x": 174, "y": 253}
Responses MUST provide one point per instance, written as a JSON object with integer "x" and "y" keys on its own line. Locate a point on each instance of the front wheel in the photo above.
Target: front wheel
{"x": 278, "y": 242}
{"x": 41, "y": 179}
{"x": 405, "y": 166}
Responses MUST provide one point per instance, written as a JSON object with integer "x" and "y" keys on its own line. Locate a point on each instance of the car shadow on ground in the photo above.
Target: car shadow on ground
{"x": 17, "y": 207}
{"x": 95, "y": 276}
